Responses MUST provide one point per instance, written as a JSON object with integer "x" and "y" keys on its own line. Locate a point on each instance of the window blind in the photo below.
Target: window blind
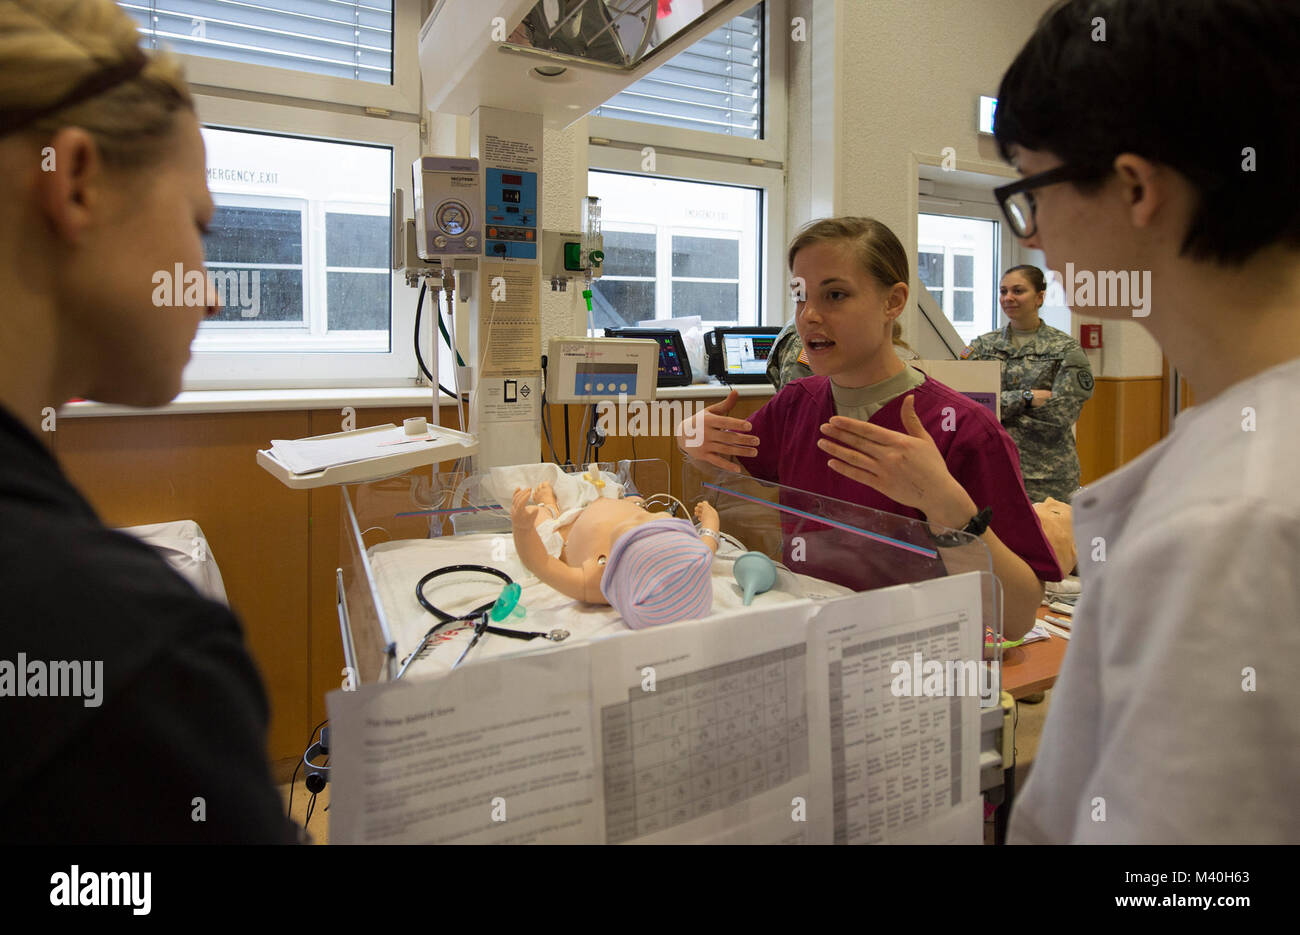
{"x": 716, "y": 85}
{"x": 341, "y": 38}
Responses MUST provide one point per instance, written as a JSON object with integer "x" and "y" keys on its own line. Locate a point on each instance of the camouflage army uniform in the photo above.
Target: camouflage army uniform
{"x": 1050, "y": 360}
{"x": 787, "y": 361}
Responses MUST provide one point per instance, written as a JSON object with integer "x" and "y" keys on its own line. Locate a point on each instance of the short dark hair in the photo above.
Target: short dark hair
{"x": 1186, "y": 83}
{"x": 1032, "y": 273}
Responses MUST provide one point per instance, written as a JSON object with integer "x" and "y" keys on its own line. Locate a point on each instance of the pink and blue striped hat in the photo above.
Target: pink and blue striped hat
{"x": 659, "y": 572}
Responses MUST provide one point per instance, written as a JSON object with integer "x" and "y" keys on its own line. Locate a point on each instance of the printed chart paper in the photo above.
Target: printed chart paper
{"x": 498, "y": 752}
{"x": 704, "y": 730}
{"x": 850, "y": 721}
{"x": 900, "y": 735}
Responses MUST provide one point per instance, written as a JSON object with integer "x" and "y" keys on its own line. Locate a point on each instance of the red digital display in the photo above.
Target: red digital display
{"x": 512, "y": 179}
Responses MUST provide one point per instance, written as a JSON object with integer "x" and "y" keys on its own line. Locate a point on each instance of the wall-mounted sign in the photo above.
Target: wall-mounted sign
{"x": 987, "y": 106}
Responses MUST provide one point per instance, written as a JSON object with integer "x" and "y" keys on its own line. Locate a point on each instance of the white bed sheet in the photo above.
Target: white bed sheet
{"x": 399, "y": 565}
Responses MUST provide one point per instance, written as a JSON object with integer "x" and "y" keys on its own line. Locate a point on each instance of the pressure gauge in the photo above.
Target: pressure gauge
{"x": 453, "y": 218}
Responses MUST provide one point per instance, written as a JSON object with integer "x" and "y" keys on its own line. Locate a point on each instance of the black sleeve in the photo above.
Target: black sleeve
{"x": 176, "y": 756}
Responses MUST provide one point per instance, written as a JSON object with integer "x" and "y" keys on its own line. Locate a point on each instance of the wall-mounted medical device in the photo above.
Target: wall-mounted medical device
{"x": 448, "y": 213}
{"x": 589, "y": 370}
{"x": 511, "y": 214}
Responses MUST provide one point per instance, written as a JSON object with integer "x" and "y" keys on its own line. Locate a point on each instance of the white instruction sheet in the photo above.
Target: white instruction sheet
{"x": 497, "y": 752}
{"x": 900, "y": 731}
{"x": 852, "y": 721}
{"x": 703, "y": 731}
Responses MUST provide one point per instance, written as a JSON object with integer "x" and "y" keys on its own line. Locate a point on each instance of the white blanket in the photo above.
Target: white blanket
{"x": 572, "y": 493}
{"x": 399, "y": 565}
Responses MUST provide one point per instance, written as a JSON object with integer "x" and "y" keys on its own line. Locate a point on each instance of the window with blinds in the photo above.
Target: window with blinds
{"x": 340, "y": 38}
{"x": 716, "y": 85}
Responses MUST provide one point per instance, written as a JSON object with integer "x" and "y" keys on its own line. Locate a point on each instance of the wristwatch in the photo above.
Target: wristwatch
{"x": 975, "y": 527}
{"x": 1028, "y": 397}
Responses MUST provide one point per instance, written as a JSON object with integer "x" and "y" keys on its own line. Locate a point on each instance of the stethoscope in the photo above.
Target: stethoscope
{"x": 505, "y": 606}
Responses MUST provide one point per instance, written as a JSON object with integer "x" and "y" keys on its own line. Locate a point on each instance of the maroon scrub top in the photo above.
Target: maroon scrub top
{"x": 979, "y": 454}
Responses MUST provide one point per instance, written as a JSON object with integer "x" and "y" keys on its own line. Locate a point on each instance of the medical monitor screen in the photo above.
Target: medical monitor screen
{"x": 745, "y": 354}
{"x": 674, "y": 367}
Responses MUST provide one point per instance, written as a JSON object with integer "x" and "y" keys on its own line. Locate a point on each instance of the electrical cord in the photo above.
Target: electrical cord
{"x": 546, "y": 417}
{"x": 449, "y": 288}
{"x": 419, "y": 357}
{"x": 568, "y": 461}
{"x": 586, "y": 445}
{"x": 294, "y": 778}
{"x": 442, "y": 329}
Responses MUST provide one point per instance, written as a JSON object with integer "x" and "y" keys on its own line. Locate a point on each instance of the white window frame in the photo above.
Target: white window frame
{"x": 983, "y": 211}
{"x": 321, "y": 231}
{"x": 286, "y": 367}
{"x": 950, "y": 282}
{"x": 745, "y": 284}
{"x": 770, "y": 148}
{"x": 632, "y": 227}
{"x": 770, "y": 182}
{"x": 402, "y": 96}
{"x": 235, "y": 335}
{"x": 942, "y": 251}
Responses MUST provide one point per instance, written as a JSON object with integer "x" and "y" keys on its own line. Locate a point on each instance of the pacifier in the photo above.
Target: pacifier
{"x": 507, "y": 605}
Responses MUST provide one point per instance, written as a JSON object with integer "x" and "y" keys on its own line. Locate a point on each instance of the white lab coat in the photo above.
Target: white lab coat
{"x": 1177, "y": 714}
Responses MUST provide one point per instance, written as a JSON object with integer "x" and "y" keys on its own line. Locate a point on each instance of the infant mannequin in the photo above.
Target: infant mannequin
{"x": 650, "y": 567}
{"x": 1057, "y": 520}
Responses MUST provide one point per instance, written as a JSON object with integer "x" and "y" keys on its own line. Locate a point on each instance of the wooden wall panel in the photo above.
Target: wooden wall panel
{"x": 153, "y": 469}
{"x": 1122, "y": 420}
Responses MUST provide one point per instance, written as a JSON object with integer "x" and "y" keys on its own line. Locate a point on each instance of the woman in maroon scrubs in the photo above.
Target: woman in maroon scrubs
{"x": 870, "y": 429}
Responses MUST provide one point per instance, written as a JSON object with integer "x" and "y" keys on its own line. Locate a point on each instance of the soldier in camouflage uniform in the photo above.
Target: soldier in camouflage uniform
{"x": 1038, "y": 357}
{"x": 787, "y": 361}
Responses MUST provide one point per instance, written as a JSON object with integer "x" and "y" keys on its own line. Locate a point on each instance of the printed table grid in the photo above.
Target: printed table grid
{"x": 894, "y": 760}
{"x": 703, "y": 741}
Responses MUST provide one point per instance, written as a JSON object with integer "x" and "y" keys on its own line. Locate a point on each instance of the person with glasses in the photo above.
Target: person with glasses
{"x": 130, "y": 708}
{"x": 1046, "y": 379}
{"x": 1170, "y": 148}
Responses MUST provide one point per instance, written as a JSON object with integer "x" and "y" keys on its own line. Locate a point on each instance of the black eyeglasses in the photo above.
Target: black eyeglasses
{"x": 1017, "y": 199}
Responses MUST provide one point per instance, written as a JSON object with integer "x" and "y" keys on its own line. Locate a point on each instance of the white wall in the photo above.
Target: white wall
{"x": 884, "y": 86}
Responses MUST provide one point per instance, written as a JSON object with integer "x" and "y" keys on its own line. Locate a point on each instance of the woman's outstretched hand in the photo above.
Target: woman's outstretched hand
{"x": 906, "y": 467}
{"x": 715, "y": 437}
